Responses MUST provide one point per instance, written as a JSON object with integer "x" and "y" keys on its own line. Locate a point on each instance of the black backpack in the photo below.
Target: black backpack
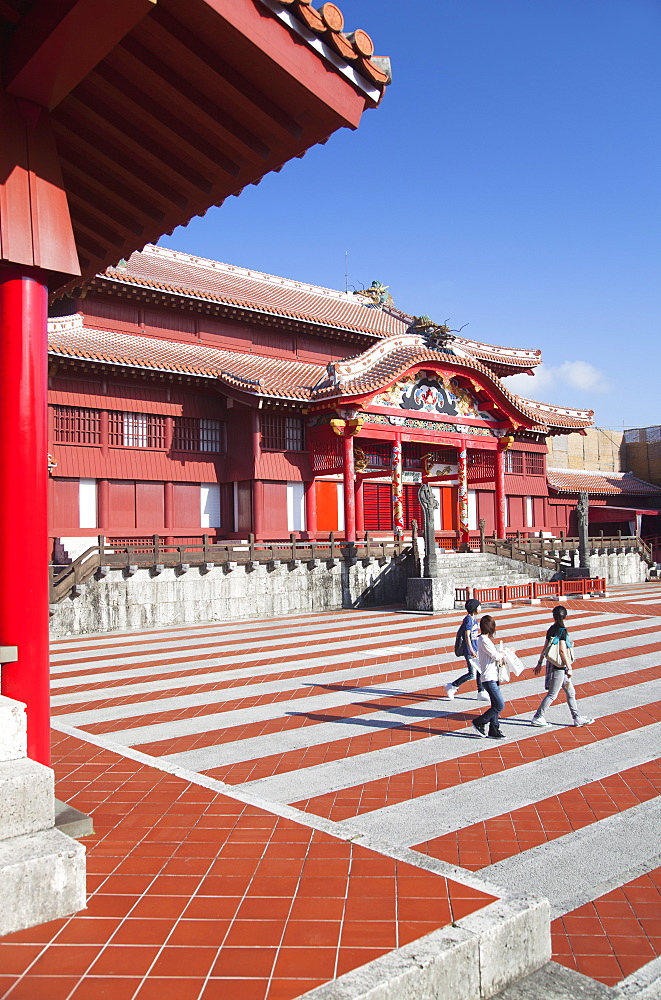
{"x": 460, "y": 641}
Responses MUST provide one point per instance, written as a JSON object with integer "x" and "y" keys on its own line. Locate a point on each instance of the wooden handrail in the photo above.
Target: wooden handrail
{"x": 155, "y": 552}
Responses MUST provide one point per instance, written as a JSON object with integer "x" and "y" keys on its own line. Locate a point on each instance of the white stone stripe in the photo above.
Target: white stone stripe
{"x": 584, "y": 865}
{"x": 408, "y": 627}
{"x": 438, "y": 813}
{"x": 227, "y": 637}
{"x": 299, "y": 659}
{"x": 99, "y": 640}
{"x": 253, "y": 691}
{"x": 334, "y": 775}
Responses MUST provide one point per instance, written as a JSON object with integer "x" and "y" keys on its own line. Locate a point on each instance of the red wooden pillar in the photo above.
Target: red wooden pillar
{"x": 397, "y": 487}
{"x": 360, "y": 507}
{"x": 463, "y": 495}
{"x": 501, "y": 499}
{"x": 311, "y": 508}
{"x": 104, "y": 506}
{"x": 23, "y": 497}
{"x": 348, "y": 476}
{"x": 258, "y": 485}
{"x": 258, "y": 509}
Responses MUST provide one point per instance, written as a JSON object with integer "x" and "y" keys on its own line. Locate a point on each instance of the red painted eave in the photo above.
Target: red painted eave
{"x": 191, "y": 104}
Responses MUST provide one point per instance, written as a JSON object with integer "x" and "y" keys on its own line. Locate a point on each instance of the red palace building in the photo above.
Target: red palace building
{"x": 191, "y": 397}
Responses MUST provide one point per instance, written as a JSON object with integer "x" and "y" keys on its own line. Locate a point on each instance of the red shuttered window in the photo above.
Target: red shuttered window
{"x": 534, "y": 463}
{"x": 377, "y": 503}
{"x": 514, "y": 462}
{"x": 136, "y": 430}
{"x": 77, "y": 425}
{"x": 198, "y": 434}
{"x": 280, "y": 433}
{"x": 412, "y": 508}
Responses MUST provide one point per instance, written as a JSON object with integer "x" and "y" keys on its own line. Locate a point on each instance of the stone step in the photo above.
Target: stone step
{"x": 42, "y": 877}
{"x": 27, "y": 797}
{"x": 13, "y": 729}
{"x": 555, "y": 982}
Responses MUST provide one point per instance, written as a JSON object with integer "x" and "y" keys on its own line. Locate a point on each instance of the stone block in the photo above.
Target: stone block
{"x": 42, "y": 878}
{"x": 72, "y": 821}
{"x": 26, "y": 794}
{"x": 429, "y": 594}
{"x": 514, "y": 940}
{"x": 13, "y": 729}
{"x": 442, "y": 965}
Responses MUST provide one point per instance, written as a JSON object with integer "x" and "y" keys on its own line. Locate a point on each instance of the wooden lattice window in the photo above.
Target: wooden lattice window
{"x": 481, "y": 466}
{"x": 77, "y": 425}
{"x": 198, "y": 434}
{"x": 514, "y": 462}
{"x": 281, "y": 433}
{"x": 136, "y": 430}
{"x": 534, "y": 463}
{"x": 377, "y": 453}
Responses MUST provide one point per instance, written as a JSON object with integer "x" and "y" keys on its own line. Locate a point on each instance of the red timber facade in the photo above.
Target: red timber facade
{"x": 118, "y": 122}
{"x": 190, "y": 397}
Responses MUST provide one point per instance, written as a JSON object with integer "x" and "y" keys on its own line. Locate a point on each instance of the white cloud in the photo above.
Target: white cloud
{"x": 579, "y": 375}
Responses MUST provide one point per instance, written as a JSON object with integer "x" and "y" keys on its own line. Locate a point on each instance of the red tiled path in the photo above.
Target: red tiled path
{"x": 195, "y": 896}
{"x": 493, "y": 840}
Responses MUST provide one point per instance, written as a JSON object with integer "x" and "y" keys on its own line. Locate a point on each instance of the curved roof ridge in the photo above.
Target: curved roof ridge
{"x": 207, "y": 263}
{"x": 567, "y": 411}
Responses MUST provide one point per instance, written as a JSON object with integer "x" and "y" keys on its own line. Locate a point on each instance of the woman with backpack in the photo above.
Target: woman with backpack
{"x": 490, "y": 660}
{"x": 466, "y": 645}
{"x": 558, "y": 650}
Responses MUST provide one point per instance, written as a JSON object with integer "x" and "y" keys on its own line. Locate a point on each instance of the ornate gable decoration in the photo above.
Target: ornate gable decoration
{"x": 428, "y": 392}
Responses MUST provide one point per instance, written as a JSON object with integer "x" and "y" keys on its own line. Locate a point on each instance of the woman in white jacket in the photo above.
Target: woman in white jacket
{"x": 489, "y": 659}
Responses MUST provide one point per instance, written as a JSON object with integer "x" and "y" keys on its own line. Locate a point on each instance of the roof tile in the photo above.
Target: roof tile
{"x": 600, "y": 483}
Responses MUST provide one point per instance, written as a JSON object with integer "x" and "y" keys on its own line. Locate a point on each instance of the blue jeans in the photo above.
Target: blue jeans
{"x": 497, "y": 705}
{"x": 472, "y": 671}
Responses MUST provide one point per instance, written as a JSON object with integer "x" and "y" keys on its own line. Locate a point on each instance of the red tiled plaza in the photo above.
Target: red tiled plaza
{"x": 198, "y": 891}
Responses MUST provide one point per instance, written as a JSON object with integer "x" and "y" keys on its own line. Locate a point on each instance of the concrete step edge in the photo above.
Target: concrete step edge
{"x": 42, "y": 878}
{"x": 26, "y": 794}
{"x": 13, "y": 729}
{"x": 472, "y": 959}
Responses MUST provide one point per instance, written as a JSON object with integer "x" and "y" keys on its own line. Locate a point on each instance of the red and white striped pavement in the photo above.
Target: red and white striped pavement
{"x": 341, "y": 720}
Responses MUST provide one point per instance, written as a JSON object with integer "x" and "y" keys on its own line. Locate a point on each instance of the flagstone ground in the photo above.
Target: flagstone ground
{"x": 250, "y": 783}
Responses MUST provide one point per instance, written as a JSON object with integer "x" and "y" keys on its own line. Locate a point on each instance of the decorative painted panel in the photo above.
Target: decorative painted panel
{"x": 429, "y": 392}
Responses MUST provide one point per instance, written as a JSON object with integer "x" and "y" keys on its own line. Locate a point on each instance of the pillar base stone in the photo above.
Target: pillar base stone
{"x": 429, "y": 593}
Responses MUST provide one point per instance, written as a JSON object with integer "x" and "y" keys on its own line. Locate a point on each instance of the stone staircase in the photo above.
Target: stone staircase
{"x": 42, "y": 870}
{"x": 482, "y": 569}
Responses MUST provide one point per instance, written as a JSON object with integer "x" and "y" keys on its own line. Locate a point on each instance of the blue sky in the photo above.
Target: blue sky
{"x": 509, "y": 180}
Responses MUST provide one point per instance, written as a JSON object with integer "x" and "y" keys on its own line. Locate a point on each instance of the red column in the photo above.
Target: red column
{"x": 168, "y": 510}
{"x": 348, "y": 475}
{"x": 397, "y": 488}
{"x": 104, "y": 505}
{"x": 360, "y": 507}
{"x": 311, "y": 508}
{"x": 258, "y": 509}
{"x": 23, "y": 497}
{"x": 500, "y": 494}
{"x": 463, "y": 496}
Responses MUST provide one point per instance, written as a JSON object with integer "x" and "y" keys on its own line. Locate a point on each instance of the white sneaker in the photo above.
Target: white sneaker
{"x": 539, "y": 721}
{"x": 483, "y": 696}
{"x": 450, "y": 691}
{"x": 581, "y": 720}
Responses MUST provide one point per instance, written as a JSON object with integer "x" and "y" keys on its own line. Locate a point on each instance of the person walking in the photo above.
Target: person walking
{"x": 489, "y": 660}
{"x": 469, "y": 630}
{"x": 558, "y": 675}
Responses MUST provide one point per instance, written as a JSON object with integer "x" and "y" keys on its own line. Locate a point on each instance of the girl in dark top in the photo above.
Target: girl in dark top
{"x": 471, "y": 630}
{"x": 558, "y": 676}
